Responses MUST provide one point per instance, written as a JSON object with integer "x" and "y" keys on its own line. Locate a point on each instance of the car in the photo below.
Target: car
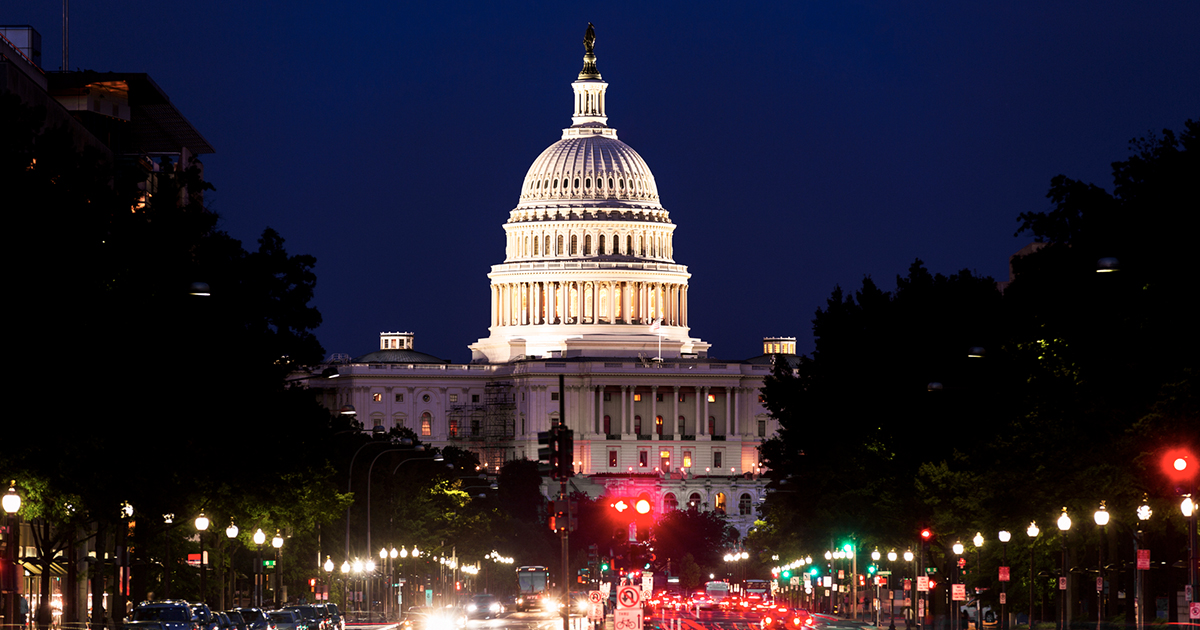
{"x": 236, "y": 619}
{"x": 484, "y": 606}
{"x": 313, "y": 619}
{"x": 255, "y": 618}
{"x": 286, "y": 620}
{"x": 438, "y": 618}
{"x": 784, "y": 618}
{"x": 223, "y": 621}
{"x": 162, "y": 615}
{"x": 333, "y": 616}
{"x": 205, "y": 619}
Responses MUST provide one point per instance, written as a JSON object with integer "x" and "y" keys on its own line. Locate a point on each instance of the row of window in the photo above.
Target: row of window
{"x": 664, "y": 459}
{"x": 606, "y": 244}
{"x": 378, "y": 397}
{"x": 635, "y": 186}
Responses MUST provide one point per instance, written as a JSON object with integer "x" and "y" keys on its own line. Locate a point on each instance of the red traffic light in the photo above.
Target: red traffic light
{"x": 926, "y": 534}
{"x": 1179, "y": 464}
{"x": 642, "y": 506}
{"x": 620, "y": 505}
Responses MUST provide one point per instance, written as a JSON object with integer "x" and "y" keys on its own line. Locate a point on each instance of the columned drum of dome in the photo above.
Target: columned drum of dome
{"x": 589, "y": 266}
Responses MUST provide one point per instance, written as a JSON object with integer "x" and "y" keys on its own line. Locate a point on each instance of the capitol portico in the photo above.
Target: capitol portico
{"x": 588, "y": 289}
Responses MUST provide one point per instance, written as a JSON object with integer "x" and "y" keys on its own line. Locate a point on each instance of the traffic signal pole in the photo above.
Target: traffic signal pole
{"x": 564, "y": 473}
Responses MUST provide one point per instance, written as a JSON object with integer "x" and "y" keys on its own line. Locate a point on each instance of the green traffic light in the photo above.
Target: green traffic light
{"x": 814, "y": 571}
{"x": 604, "y": 567}
{"x": 787, "y": 575}
{"x": 871, "y": 569}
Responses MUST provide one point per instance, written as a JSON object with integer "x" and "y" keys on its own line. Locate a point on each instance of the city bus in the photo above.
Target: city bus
{"x": 756, "y": 593}
{"x": 534, "y": 583}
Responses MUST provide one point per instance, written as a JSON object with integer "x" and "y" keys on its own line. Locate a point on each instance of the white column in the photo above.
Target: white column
{"x": 699, "y": 424}
{"x": 551, "y": 301}
{"x": 737, "y": 410}
{"x": 728, "y": 411}
{"x": 654, "y": 409}
{"x": 704, "y": 419}
{"x": 675, "y": 410}
{"x": 579, "y": 299}
{"x": 495, "y": 308}
{"x": 624, "y": 392}
{"x": 591, "y": 414}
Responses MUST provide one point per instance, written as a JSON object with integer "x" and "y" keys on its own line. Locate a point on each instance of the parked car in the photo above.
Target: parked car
{"x": 236, "y": 619}
{"x": 162, "y": 615}
{"x": 333, "y": 616}
{"x": 287, "y": 620}
{"x": 223, "y": 621}
{"x": 205, "y": 619}
{"x": 255, "y": 618}
{"x": 313, "y": 619}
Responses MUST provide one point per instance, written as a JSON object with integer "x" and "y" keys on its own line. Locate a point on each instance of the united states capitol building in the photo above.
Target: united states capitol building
{"x": 588, "y": 289}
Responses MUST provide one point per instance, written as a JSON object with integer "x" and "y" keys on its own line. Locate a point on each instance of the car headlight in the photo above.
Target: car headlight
{"x": 470, "y": 607}
{"x": 495, "y": 607}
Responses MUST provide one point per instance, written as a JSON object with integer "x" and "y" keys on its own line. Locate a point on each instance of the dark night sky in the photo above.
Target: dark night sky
{"x": 797, "y": 146}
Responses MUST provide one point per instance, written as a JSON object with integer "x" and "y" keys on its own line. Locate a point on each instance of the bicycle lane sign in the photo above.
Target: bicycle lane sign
{"x": 627, "y": 619}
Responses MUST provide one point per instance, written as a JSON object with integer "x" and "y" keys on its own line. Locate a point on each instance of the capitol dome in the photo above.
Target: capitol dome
{"x": 595, "y": 167}
{"x": 589, "y": 267}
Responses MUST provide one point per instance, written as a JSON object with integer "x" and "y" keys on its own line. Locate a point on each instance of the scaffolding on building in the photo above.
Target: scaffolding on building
{"x": 487, "y": 428}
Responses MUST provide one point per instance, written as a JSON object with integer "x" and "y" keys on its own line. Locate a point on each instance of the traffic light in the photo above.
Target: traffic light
{"x": 862, "y": 580}
{"x": 548, "y": 452}
{"x": 566, "y": 453}
{"x": 1179, "y": 465}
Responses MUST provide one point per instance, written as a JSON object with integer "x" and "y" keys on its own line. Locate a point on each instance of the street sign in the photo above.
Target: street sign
{"x": 883, "y": 573}
{"x": 629, "y": 597}
{"x": 795, "y": 581}
{"x": 1062, "y": 583}
{"x": 959, "y": 592}
{"x": 1003, "y": 598}
{"x": 922, "y": 582}
{"x": 627, "y": 619}
{"x": 1194, "y": 610}
{"x": 595, "y": 597}
{"x": 1100, "y": 585}
{"x": 1003, "y": 574}
{"x": 596, "y": 611}
{"x": 1143, "y": 559}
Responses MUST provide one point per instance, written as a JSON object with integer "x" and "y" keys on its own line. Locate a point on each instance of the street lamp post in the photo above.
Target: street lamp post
{"x": 370, "y": 567}
{"x": 259, "y": 539}
{"x": 909, "y": 557}
{"x": 1004, "y": 536}
{"x": 875, "y": 556}
{"x": 1032, "y": 531}
{"x": 1188, "y": 507}
{"x": 12, "y": 503}
{"x": 1064, "y": 525}
{"x": 328, "y": 566}
{"x": 231, "y": 532}
{"x": 1101, "y": 517}
{"x": 345, "y": 571}
{"x": 891, "y": 592}
{"x": 978, "y": 540}
{"x": 1143, "y": 514}
{"x": 277, "y": 543}
{"x": 954, "y": 620}
{"x": 201, "y": 527}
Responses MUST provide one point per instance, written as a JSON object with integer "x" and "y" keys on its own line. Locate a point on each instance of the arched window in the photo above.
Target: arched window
{"x": 621, "y": 183}
{"x": 641, "y": 245}
{"x": 587, "y": 245}
{"x": 566, "y": 182}
{"x": 682, "y": 424}
{"x": 712, "y": 425}
{"x": 559, "y": 250}
{"x": 574, "y": 244}
{"x": 426, "y": 424}
{"x": 556, "y": 184}
{"x": 546, "y": 245}
{"x": 694, "y": 501}
{"x": 607, "y": 425}
{"x": 670, "y": 503}
{"x": 744, "y": 505}
{"x": 719, "y": 503}
{"x": 587, "y": 183}
{"x": 637, "y": 425}
{"x": 658, "y": 424}
{"x": 610, "y": 183}
{"x": 629, "y": 245}
{"x": 577, "y": 182}
{"x": 535, "y": 245}
{"x": 600, "y": 250}
{"x": 453, "y": 427}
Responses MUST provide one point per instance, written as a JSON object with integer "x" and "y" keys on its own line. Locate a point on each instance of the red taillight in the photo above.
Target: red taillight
{"x": 795, "y": 621}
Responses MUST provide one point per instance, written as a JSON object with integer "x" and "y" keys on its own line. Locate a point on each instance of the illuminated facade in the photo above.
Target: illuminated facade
{"x": 588, "y": 289}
